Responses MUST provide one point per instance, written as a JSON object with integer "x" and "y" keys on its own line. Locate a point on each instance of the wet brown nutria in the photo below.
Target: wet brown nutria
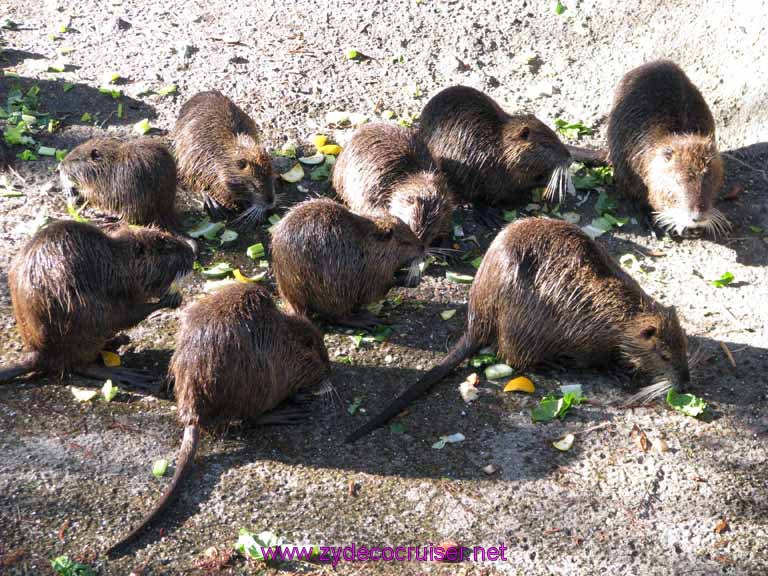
{"x": 661, "y": 141}
{"x": 386, "y": 168}
{"x": 134, "y": 179}
{"x": 218, "y": 155}
{"x": 490, "y": 156}
{"x": 237, "y": 356}
{"x": 546, "y": 292}
{"x": 331, "y": 262}
{"x": 73, "y": 287}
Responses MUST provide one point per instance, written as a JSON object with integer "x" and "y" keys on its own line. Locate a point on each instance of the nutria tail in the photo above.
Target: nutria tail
{"x": 463, "y": 349}
{"x": 183, "y": 465}
{"x": 29, "y": 364}
{"x": 589, "y": 156}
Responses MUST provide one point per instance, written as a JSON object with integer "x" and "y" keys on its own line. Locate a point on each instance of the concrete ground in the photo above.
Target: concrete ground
{"x": 74, "y": 476}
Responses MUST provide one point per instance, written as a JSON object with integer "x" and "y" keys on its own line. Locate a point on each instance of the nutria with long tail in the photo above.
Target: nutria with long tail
{"x": 546, "y": 292}
{"x": 490, "y": 156}
{"x": 135, "y": 179}
{"x": 73, "y": 287}
{"x": 237, "y": 357}
{"x": 661, "y": 141}
{"x": 388, "y": 169}
{"x": 219, "y": 156}
{"x": 331, "y": 262}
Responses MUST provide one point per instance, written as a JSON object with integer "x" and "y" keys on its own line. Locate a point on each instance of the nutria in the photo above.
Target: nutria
{"x": 661, "y": 141}
{"x": 135, "y": 179}
{"x": 74, "y": 286}
{"x": 237, "y": 356}
{"x": 546, "y": 292}
{"x": 219, "y": 156}
{"x": 386, "y": 168}
{"x": 331, "y": 262}
{"x": 492, "y": 157}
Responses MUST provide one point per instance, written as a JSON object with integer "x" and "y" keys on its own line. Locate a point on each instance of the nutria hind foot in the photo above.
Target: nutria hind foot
{"x": 489, "y": 216}
{"x": 293, "y": 411}
{"x": 131, "y": 378}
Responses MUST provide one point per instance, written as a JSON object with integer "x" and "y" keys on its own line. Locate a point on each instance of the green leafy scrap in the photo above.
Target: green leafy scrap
{"x": 354, "y": 406}
{"x": 481, "y": 360}
{"x": 572, "y": 130}
{"x": 255, "y": 251}
{"x": 724, "y": 280}
{"x": 251, "y": 545}
{"x": 218, "y": 270}
{"x": 551, "y": 406}
{"x": 688, "y": 404}
{"x": 168, "y": 90}
{"x": 65, "y": 566}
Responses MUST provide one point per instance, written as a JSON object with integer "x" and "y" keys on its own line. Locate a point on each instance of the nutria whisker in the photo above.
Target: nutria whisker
{"x": 560, "y": 183}
{"x": 440, "y": 251}
{"x": 651, "y": 392}
{"x": 672, "y": 219}
{"x": 554, "y": 187}
{"x": 330, "y": 398}
{"x": 251, "y": 216}
{"x": 718, "y": 223}
{"x": 414, "y": 272}
{"x": 695, "y": 357}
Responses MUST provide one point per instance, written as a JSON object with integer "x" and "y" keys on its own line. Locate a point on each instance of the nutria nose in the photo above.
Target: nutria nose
{"x": 698, "y": 216}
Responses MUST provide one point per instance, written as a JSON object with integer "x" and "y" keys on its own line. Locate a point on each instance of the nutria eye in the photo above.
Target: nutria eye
{"x": 241, "y": 164}
{"x": 524, "y": 133}
{"x": 648, "y": 332}
{"x": 95, "y": 155}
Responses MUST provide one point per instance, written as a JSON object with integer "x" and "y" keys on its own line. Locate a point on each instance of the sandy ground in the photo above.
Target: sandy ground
{"x": 74, "y": 476}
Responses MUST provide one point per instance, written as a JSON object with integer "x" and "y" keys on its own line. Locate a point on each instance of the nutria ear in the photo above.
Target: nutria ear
{"x": 667, "y": 153}
{"x": 523, "y": 133}
{"x": 648, "y": 332}
{"x": 384, "y": 232}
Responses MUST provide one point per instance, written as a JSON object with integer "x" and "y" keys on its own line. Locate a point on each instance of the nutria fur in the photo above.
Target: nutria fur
{"x": 546, "y": 292}
{"x": 386, "y": 168}
{"x": 661, "y": 141}
{"x": 331, "y": 262}
{"x": 237, "y": 356}
{"x": 74, "y": 286}
{"x": 134, "y": 179}
{"x": 490, "y": 156}
{"x": 219, "y": 156}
